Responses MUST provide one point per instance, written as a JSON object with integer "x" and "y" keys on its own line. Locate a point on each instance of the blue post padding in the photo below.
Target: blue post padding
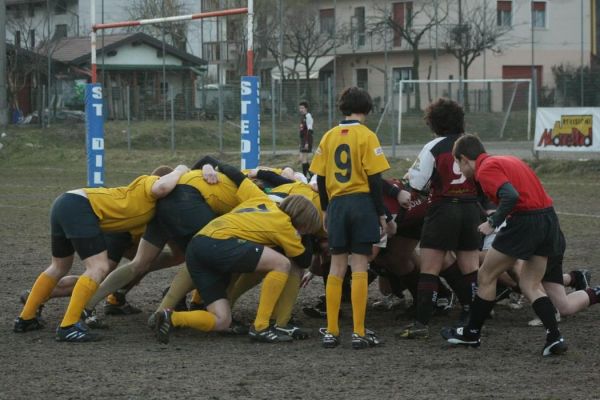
{"x": 250, "y": 122}
{"x": 94, "y": 123}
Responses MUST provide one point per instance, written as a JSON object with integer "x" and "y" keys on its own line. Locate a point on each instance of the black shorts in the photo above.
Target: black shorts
{"x": 451, "y": 225}
{"x": 410, "y": 231}
{"x": 352, "y": 224}
{"x": 211, "y": 262}
{"x": 303, "y": 141}
{"x": 554, "y": 271}
{"x": 117, "y": 243}
{"x": 75, "y": 227}
{"x": 183, "y": 213}
{"x": 531, "y": 233}
{"x": 155, "y": 234}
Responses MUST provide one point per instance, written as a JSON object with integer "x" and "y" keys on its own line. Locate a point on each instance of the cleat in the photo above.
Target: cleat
{"x": 293, "y": 331}
{"x": 388, "y": 303}
{"x": 416, "y": 330}
{"x": 363, "y": 342}
{"x": 163, "y": 325}
{"x": 237, "y": 328}
{"x": 555, "y": 347}
{"x": 92, "y": 320}
{"x": 318, "y": 311}
{"x": 77, "y": 333}
{"x": 502, "y": 292}
{"x": 538, "y": 322}
{"x": 23, "y": 299}
{"x": 26, "y": 325}
{"x": 329, "y": 340}
{"x": 121, "y": 308}
{"x": 582, "y": 280}
{"x": 456, "y": 336}
{"x": 152, "y": 320}
{"x": 443, "y": 305}
{"x": 268, "y": 335}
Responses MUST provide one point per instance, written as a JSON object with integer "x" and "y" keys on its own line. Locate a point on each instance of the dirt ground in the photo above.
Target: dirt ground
{"x": 130, "y": 364}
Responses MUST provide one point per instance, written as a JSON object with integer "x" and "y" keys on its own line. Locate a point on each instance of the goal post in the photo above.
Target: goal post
{"x": 250, "y": 123}
{"x": 495, "y": 109}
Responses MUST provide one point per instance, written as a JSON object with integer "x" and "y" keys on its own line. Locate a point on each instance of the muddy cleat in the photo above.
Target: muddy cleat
{"x": 538, "y": 322}
{"x": 293, "y": 331}
{"x": 443, "y": 305}
{"x": 26, "y": 325}
{"x": 363, "y": 342}
{"x": 77, "y": 333}
{"x": 388, "y": 303}
{"x": 456, "y": 336}
{"x": 121, "y": 308}
{"x": 555, "y": 347}
{"x": 318, "y": 311}
{"x": 92, "y": 320}
{"x": 416, "y": 330}
{"x": 268, "y": 335}
{"x": 23, "y": 299}
{"x": 163, "y": 325}
{"x": 237, "y": 328}
{"x": 329, "y": 340}
{"x": 582, "y": 279}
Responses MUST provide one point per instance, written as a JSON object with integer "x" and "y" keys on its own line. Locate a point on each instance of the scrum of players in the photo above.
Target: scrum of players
{"x": 456, "y": 228}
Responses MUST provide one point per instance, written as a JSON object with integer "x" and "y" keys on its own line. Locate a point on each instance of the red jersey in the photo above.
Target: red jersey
{"x": 435, "y": 167}
{"x": 416, "y": 211}
{"x": 493, "y": 171}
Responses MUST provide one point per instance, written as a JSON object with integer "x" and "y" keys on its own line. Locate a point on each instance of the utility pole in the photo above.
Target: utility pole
{"x": 3, "y": 98}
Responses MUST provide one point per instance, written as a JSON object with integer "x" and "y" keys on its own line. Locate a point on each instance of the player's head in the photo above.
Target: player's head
{"x": 304, "y": 215}
{"x": 303, "y": 107}
{"x": 465, "y": 151}
{"x": 445, "y": 117}
{"x": 355, "y": 100}
{"x": 161, "y": 170}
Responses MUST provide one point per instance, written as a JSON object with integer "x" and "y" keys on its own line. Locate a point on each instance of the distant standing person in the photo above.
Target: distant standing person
{"x": 306, "y": 136}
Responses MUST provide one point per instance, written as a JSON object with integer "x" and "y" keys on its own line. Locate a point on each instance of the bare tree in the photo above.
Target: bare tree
{"x": 418, "y": 20}
{"x": 175, "y": 32}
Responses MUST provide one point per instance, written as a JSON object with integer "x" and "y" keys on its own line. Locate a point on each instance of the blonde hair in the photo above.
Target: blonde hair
{"x": 302, "y": 212}
{"x": 161, "y": 170}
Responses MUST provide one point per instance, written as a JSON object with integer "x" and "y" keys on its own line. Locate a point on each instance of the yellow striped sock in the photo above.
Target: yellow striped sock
{"x": 83, "y": 291}
{"x": 333, "y": 298}
{"x": 360, "y": 289}
{"x": 272, "y": 287}
{"x": 200, "y": 320}
{"x": 40, "y": 292}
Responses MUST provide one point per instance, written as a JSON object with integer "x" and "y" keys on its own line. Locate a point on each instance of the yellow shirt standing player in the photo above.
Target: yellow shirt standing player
{"x": 348, "y": 165}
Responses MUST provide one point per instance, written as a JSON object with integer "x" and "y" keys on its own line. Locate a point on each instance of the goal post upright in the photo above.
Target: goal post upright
{"x": 93, "y": 93}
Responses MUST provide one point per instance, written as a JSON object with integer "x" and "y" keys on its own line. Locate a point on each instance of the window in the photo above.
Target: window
{"x": 18, "y": 39}
{"x": 327, "y": 20}
{"x": 60, "y": 7}
{"x": 504, "y": 13}
{"x": 538, "y": 14}
{"x": 358, "y": 26}
{"x": 402, "y": 15}
{"x": 30, "y": 10}
{"x": 362, "y": 78}
{"x": 232, "y": 75}
{"x": 60, "y": 31}
{"x": 402, "y": 74}
{"x": 32, "y": 39}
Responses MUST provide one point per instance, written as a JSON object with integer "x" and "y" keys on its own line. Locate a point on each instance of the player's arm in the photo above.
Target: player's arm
{"x": 229, "y": 171}
{"x": 304, "y": 260}
{"x": 272, "y": 178}
{"x": 507, "y": 200}
{"x": 166, "y": 183}
{"x": 421, "y": 171}
{"x": 376, "y": 191}
{"x": 393, "y": 190}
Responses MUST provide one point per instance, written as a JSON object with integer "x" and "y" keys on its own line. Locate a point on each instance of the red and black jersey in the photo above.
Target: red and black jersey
{"x": 491, "y": 172}
{"x": 306, "y": 127}
{"x": 416, "y": 211}
{"x": 436, "y": 168}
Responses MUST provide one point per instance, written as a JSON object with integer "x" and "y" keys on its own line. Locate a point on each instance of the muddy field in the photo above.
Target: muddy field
{"x": 130, "y": 364}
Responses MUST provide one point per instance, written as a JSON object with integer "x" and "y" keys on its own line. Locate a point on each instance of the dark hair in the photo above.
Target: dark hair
{"x": 161, "y": 170}
{"x": 469, "y": 146}
{"x": 445, "y": 117}
{"x": 304, "y": 103}
{"x": 355, "y": 100}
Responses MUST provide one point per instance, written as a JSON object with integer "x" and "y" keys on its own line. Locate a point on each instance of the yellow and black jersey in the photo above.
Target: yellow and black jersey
{"x": 258, "y": 220}
{"x": 347, "y": 155}
{"x": 122, "y": 209}
{"x": 248, "y": 190}
{"x": 221, "y": 197}
{"x": 301, "y": 189}
{"x": 137, "y": 233}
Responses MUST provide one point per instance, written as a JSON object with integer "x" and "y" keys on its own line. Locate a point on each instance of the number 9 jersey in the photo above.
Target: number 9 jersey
{"x": 347, "y": 155}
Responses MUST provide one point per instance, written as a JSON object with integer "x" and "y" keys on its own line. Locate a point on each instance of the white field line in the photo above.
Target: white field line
{"x": 577, "y": 215}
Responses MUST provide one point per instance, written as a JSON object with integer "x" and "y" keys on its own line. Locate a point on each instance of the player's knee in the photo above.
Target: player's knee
{"x": 223, "y": 322}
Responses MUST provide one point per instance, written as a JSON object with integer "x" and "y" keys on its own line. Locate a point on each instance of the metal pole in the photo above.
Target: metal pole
{"x": 329, "y": 102}
{"x": 102, "y": 40}
{"x": 334, "y": 90}
{"x": 401, "y": 87}
{"x": 128, "y": 119}
{"x": 281, "y": 59}
{"x": 48, "y": 44}
{"x": 220, "y": 112}
{"x": 3, "y": 94}
{"x": 529, "y": 111}
{"x": 164, "y": 71}
{"x": 172, "y": 119}
{"x": 435, "y": 51}
{"x": 533, "y": 77}
{"x": 581, "y": 74}
{"x": 273, "y": 111}
{"x": 250, "y": 38}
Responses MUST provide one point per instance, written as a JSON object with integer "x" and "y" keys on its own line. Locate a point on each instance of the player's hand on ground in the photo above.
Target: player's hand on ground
{"x": 209, "y": 174}
{"x": 306, "y": 279}
{"x": 485, "y": 228}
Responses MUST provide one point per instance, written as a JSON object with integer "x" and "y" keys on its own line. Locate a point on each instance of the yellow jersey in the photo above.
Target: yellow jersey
{"x": 125, "y": 208}
{"x": 347, "y": 155}
{"x": 221, "y": 197}
{"x": 301, "y": 189}
{"x": 258, "y": 220}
